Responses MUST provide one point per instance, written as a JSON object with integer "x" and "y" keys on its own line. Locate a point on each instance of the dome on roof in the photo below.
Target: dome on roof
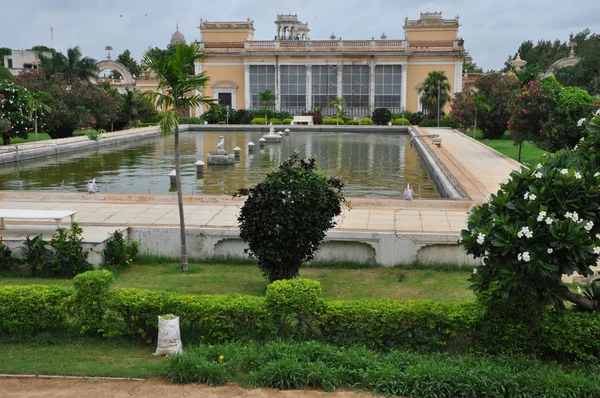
{"x": 177, "y": 38}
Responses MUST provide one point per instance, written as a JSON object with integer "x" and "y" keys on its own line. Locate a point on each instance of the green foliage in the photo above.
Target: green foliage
{"x": 258, "y": 120}
{"x": 286, "y": 216}
{"x": 381, "y": 116}
{"x": 7, "y": 262}
{"x": 366, "y": 121}
{"x": 68, "y": 258}
{"x": 317, "y": 118}
{"x": 214, "y": 114}
{"x": 5, "y": 74}
{"x": 242, "y": 116}
{"x": 287, "y": 120}
{"x": 13, "y": 108}
{"x": 191, "y": 120}
{"x": 71, "y": 67}
{"x": 333, "y": 121}
{"x": 267, "y": 98}
{"x": 291, "y": 365}
{"x": 93, "y": 135}
{"x": 120, "y": 253}
{"x": 275, "y": 121}
{"x": 401, "y": 122}
{"x": 294, "y": 305}
{"x": 92, "y": 299}
{"x": 37, "y": 255}
{"x": 130, "y": 63}
{"x": 353, "y": 122}
{"x": 29, "y": 310}
{"x": 542, "y": 224}
{"x": 339, "y": 104}
{"x": 416, "y": 118}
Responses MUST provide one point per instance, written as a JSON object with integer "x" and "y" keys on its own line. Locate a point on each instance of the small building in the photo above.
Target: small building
{"x": 305, "y": 74}
{"x": 20, "y": 60}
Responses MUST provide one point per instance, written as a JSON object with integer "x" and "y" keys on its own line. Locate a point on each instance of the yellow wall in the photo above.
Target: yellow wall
{"x": 431, "y": 34}
{"x": 222, "y": 37}
{"x": 217, "y": 74}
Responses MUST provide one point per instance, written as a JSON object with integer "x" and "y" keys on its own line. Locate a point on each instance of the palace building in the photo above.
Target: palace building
{"x": 305, "y": 74}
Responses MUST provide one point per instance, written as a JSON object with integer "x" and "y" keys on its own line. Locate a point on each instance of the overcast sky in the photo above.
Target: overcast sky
{"x": 492, "y": 29}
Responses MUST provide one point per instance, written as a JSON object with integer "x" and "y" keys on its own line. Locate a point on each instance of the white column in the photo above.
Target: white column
{"x": 247, "y": 102}
{"x": 277, "y": 87}
{"x": 340, "y": 80}
{"x": 309, "y": 104}
{"x": 197, "y": 71}
{"x": 458, "y": 84}
{"x": 371, "y": 85}
{"x": 404, "y": 88}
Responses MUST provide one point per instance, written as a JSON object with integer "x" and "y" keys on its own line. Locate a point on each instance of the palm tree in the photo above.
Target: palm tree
{"x": 176, "y": 92}
{"x": 130, "y": 101}
{"x": 70, "y": 67}
{"x": 436, "y": 92}
{"x": 267, "y": 99}
{"x": 339, "y": 104}
{"x": 35, "y": 104}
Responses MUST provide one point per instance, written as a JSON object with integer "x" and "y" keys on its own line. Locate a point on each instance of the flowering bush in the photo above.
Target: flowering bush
{"x": 547, "y": 113}
{"x": 542, "y": 224}
{"x": 120, "y": 252}
{"x": 14, "y": 120}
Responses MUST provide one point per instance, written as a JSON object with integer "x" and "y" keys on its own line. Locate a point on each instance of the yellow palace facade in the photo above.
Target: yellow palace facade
{"x": 305, "y": 74}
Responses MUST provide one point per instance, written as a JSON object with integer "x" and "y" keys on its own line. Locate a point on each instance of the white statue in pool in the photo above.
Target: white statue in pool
{"x": 408, "y": 193}
{"x": 221, "y": 144}
{"x": 92, "y": 187}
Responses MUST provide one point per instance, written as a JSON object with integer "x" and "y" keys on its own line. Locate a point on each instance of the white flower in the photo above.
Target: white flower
{"x": 526, "y": 196}
{"x": 578, "y": 175}
{"x": 576, "y": 147}
{"x": 581, "y": 139}
{"x": 541, "y": 216}
{"x": 525, "y": 231}
{"x": 474, "y": 271}
{"x": 578, "y": 290}
{"x": 537, "y": 174}
{"x": 486, "y": 253}
{"x": 596, "y": 250}
{"x": 539, "y": 166}
{"x": 487, "y": 199}
{"x": 598, "y": 112}
{"x": 564, "y": 171}
{"x": 505, "y": 181}
{"x": 524, "y": 256}
{"x": 588, "y": 226}
{"x": 580, "y": 122}
{"x": 550, "y": 251}
{"x": 573, "y": 216}
{"x": 532, "y": 196}
{"x": 596, "y": 174}
{"x": 480, "y": 239}
{"x": 548, "y": 220}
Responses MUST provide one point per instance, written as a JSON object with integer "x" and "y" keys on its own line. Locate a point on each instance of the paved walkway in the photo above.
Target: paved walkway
{"x": 477, "y": 168}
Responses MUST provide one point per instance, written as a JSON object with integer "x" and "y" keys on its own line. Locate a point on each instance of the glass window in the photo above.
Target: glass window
{"x": 356, "y": 86}
{"x": 293, "y": 84}
{"x": 262, "y": 77}
{"x": 388, "y": 86}
{"x": 324, "y": 84}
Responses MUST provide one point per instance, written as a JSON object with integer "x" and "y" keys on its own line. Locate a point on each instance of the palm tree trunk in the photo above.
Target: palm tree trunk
{"x": 184, "y": 260}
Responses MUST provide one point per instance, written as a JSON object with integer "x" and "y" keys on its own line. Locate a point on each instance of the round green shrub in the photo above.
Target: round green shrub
{"x": 287, "y": 120}
{"x": 275, "y": 121}
{"x": 333, "y": 121}
{"x": 366, "y": 121}
{"x": 381, "y": 116}
{"x": 402, "y": 122}
{"x": 353, "y": 122}
{"x": 258, "y": 120}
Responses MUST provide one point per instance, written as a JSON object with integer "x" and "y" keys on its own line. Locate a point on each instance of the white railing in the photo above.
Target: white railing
{"x": 400, "y": 44}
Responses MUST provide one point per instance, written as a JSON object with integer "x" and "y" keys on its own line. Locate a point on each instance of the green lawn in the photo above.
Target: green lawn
{"x": 529, "y": 153}
{"x": 337, "y": 283}
{"x": 42, "y": 137}
{"x": 81, "y": 357}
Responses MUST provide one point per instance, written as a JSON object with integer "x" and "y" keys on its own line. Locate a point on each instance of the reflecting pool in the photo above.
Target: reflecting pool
{"x": 377, "y": 165}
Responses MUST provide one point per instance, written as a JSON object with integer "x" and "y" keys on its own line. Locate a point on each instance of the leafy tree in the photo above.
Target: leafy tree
{"x": 542, "y": 224}
{"x": 164, "y": 54}
{"x": 176, "y": 92}
{"x": 381, "y": 116}
{"x": 242, "y": 116}
{"x": 4, "y": 51}
{"x": 41, "y": 48}
{"x": 339, "y": 104}
{"x": 129, "y": 103}
{"x": 13, "y": 108}
{"x": 471, "y": 67}
{"x": 489, "y": 96}
{"x": 131, "y": 64}
{"x": 267, "y": 98}
{"x": 436, "y": 92}
{"x": 214, "y": 114}
{"x": 547, "y": 113}
{"x": 5, "y": 74}
{"x": 286, "y": 216}
{"x": 71, "y": 67}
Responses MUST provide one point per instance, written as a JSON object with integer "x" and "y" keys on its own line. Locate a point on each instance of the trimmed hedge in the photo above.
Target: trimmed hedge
{"x": 401, "y": 122}
{"x": 258, "y": 120}
{"x": 287, "y": 120}
{"x": 294, "y": 309}
{"x": 275, "y": 121}
{"x": 333, "y": 121}
{"x": 366, "y": 120}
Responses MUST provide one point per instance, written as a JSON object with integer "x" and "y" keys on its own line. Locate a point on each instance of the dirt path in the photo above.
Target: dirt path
{"x": 152, "y": 388}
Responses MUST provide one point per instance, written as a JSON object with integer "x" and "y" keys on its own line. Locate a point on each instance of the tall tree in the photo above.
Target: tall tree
{"x": 131, "y": 64}
{"x": 130, "y": 101}
{"x": 176, "y": 92}
{"x": 70, "y": 67}
{"x": 436, "y": 92}
{"x": 267, "y": 98}
{"x": 471, "y": 67}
